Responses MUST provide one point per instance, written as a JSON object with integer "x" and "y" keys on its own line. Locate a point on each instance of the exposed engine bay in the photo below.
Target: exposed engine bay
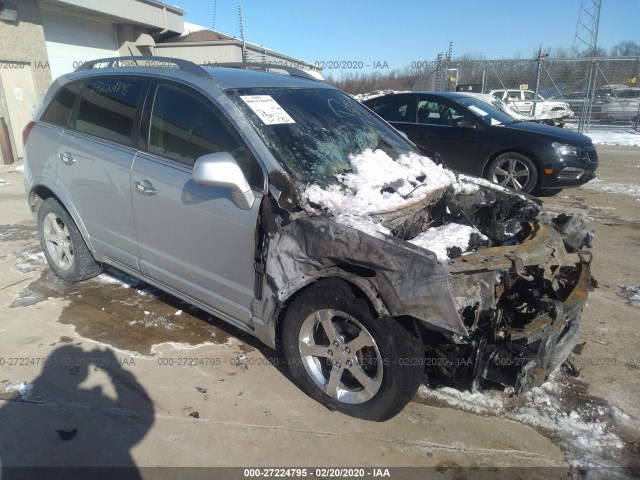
{"x": 505, "y": 310}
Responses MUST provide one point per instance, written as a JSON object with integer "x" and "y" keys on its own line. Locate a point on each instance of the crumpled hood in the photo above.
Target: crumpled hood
{"x": 415, "y": 200}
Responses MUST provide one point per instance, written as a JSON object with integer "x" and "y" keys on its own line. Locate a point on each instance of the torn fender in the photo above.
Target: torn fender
{"x": 409, "y": 280}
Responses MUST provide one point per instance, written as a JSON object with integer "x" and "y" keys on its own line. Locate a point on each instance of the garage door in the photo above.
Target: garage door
{"x": 72, "y": 40}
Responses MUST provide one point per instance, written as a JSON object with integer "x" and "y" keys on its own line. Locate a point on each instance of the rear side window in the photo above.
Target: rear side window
{"x": 185, "y": 125}
{"x": 108, "y": 107}
{"x": 59, "y": 110}
{"x": 393, "y": 109}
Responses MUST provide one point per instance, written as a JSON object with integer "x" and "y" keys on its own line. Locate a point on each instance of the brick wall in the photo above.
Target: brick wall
{"x": 22, "y": 42}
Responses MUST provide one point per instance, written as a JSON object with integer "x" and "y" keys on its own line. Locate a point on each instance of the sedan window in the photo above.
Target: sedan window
{"x": 485, "y": 111}
{"x": 393, "y": 109}
{"x": 431, "y": 112}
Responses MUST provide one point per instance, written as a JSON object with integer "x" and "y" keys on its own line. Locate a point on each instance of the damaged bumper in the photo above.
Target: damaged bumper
{"x": 529, "y": 355}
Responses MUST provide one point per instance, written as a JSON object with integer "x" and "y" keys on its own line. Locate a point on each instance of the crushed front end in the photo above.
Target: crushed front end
{"x": 521, "y": 301}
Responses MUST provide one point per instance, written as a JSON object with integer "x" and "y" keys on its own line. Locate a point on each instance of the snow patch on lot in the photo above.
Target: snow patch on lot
{"x": 167, "y": 347}
{"x": 631, "y": 294}
{"x": 585, "y": 430}
{"x": 3, "y": 182}
{"x": 621, "y": 188}
{"x": 22, "y": 390}
{"x": 609, "y": 137}
{"x": 111, "y": 276}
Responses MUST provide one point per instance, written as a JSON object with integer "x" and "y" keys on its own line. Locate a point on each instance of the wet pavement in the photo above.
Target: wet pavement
{"x": 114, "y": 308}
{"x": 249, "y": 391}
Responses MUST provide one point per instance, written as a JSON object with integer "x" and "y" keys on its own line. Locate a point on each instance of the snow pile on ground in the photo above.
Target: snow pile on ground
{"x": 621, "y": 188}
{"x": 19, "y": 169}
{"x": 116, "y": 277}
{"x": 612, "y": 137}
{"x": 361, "y": 97}
{"x": 583, "y": 431}
{"x": 21, "y": 389}
{"x": 377, "y": 183}
{"x": 631, "y": 294}
{"x": 3, "y": 182}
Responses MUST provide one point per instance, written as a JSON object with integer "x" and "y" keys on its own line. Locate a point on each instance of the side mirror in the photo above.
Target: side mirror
{"x": 221, "y": 170}
{"x": 463, "y": 122}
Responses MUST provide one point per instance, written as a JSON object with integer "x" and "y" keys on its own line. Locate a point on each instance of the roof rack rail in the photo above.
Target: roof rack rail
{"x": 114, "y": 62}
{"x": 293, "y": 71}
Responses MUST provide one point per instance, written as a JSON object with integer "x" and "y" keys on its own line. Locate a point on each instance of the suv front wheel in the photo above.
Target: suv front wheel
{"x": 346, "y": 359}
{"x": 63, "y": 245}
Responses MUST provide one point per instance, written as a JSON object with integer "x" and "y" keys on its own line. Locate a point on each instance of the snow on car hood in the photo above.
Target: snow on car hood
{"x": 377, "y": 184}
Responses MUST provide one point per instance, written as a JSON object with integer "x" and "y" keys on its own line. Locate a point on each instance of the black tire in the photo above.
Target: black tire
{"x": 391, "y": 358}
{"x": 513, "y": 170}
{"x": 63, "y": 245}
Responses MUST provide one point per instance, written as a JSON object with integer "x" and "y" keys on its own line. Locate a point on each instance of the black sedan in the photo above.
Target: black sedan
{"x": 474, "y": 137}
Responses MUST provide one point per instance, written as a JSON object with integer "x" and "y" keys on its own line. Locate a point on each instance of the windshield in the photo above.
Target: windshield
{"x": 490, "y": 113}
{"x": 313, "y": 131}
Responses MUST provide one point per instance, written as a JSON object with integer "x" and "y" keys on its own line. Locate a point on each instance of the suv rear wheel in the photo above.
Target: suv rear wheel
{"x": 63, "y": 245}
{"x": 343, "y": 357}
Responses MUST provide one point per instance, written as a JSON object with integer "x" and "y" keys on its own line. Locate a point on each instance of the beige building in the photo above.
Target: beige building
{"x": 207, "y": 46}
{"x": 41, "y": 40}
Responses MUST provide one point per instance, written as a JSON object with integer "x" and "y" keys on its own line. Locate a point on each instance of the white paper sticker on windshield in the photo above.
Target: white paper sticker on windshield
{"x": 495, "y": 122}
{"x": 269, "y": 111}
{"x": 477, "y": 110}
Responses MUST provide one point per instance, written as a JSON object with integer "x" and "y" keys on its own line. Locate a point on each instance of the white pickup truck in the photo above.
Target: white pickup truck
{"x": 535, "y": 107}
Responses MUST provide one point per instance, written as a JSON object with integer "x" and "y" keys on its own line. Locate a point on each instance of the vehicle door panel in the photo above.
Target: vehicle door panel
{"x": 97, "y": 176}
{"x": 458, "y": 147}
{"x": 94, "y": 163}
{"x": 194, "y": 238}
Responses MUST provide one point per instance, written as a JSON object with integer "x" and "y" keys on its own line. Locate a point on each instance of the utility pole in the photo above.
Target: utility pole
{"x": 585, "y": 43}
{"x": 244, "y": 45}
{"x": 585, "y": 40}
{"x": 541, "y": 57}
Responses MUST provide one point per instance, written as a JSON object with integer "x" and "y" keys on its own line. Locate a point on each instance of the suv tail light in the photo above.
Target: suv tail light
{"x": 27, "y": 131}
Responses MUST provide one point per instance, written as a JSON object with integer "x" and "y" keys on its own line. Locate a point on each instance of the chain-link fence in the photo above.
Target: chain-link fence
{"x": 601, "y": 92}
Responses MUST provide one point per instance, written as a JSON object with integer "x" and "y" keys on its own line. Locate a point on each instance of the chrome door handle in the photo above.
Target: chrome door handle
{"x": 67, "y": 158}
{"x": 145, "y": 187}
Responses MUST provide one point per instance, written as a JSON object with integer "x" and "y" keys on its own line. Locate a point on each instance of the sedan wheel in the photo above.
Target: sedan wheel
{"x": 513, "y": 170}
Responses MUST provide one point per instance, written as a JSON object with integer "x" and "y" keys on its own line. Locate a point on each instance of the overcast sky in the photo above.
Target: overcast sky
{"x": 401, "y": 31}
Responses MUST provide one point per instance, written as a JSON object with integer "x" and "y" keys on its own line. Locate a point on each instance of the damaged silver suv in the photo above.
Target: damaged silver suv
{"x": 281, "y": 205}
